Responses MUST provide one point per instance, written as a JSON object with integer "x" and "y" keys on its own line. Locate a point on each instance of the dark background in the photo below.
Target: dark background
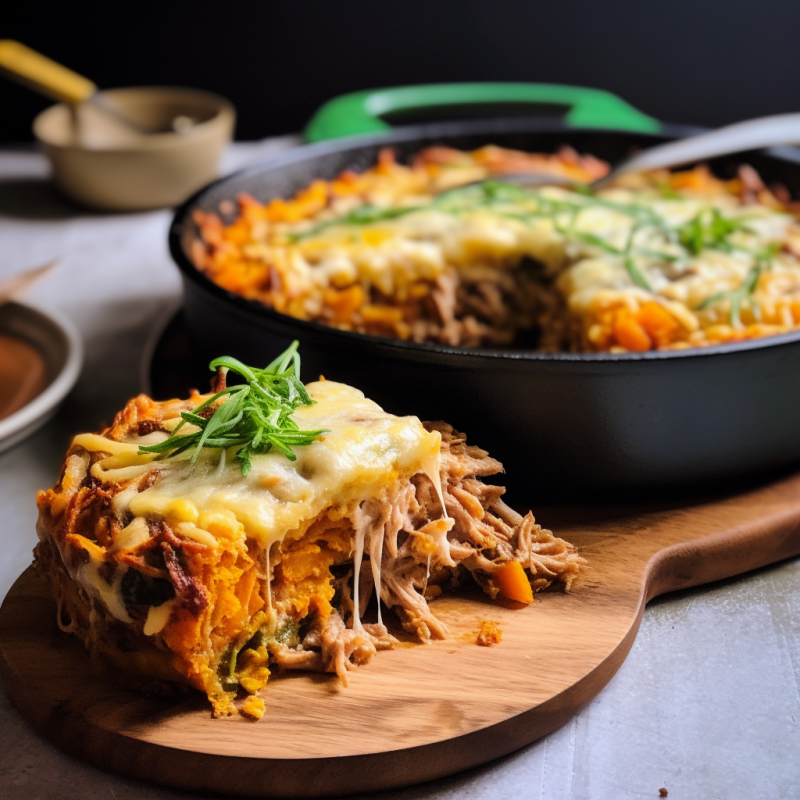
{"x": 704, "y": 62}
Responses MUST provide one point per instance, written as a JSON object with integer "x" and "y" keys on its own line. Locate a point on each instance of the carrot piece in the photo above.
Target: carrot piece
{"x": 386, "y": 162}
{"x": 698, "y": 179}
{"x": 386, "y": 156}
{"x": 381, "y": 315}
{"x": 278, "y": 211}
{"x": 311, "y": 200}
{"x": 345, "y": 302}
{"x": 253, "y": 707}
{"x": 348, "y": 182}
{"x": 630, "y": 334}
{"x": 659, "y": 324}
{"x": 513, "y": 582}
{"x": 240, "y": 232}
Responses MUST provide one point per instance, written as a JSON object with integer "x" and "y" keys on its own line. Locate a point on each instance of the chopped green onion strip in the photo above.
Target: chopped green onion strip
{"x": 707, "y": 230}
{"x": 254, "y": 417}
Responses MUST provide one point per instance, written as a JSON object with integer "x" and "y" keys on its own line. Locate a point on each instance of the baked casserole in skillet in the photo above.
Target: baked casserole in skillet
{"x": 421, "y": 252}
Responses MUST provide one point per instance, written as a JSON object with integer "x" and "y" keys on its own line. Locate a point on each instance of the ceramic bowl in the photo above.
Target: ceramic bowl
{"x": 100, "y": 162}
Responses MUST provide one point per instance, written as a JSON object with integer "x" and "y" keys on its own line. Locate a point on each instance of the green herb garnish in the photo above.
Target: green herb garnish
{"x": 707, "y": 230}
{"x": 363, "y": 215}
{"x": 742, "y": 293}
{"x": 736, "y": 296}
{"x": 254, "y": 417}
{"x": 636, "y": 274}
{"x": 668, "y": 193}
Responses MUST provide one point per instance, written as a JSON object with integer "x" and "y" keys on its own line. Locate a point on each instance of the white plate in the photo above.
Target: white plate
{"x": 62, "y": 349}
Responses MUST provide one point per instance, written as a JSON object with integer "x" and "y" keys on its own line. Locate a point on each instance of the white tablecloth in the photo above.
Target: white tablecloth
{"x": 707, "y": 704}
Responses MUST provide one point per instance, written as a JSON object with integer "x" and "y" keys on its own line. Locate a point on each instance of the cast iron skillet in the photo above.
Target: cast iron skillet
{"x": 563, "y": 424}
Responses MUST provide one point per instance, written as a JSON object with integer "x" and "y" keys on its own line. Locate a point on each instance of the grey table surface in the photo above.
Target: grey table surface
{"x": 706, "y": 705}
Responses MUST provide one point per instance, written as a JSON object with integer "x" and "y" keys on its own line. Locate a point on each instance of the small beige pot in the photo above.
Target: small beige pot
{"x": 100, "y": 162}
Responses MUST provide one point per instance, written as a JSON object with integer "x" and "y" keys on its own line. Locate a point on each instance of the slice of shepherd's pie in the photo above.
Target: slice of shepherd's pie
{"x": 212, "y": 540}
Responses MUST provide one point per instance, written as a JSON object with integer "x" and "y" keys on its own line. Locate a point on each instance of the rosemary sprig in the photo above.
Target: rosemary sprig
{"x": 254, "y": 417}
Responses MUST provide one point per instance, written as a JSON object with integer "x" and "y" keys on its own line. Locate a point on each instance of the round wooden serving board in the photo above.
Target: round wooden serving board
{"x": 415, "y": 713}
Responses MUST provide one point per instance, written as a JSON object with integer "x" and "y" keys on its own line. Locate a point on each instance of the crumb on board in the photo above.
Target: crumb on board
{"x": 254, "y": 707}
{"x": 663, "y": 792}
{"x": 488, "y": 634}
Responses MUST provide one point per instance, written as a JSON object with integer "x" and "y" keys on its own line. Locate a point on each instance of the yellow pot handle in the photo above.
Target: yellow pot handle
{"x": 38, "y": 72}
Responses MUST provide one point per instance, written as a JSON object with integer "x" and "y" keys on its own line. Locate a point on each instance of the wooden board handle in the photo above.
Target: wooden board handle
{"x": 751, "y": 545}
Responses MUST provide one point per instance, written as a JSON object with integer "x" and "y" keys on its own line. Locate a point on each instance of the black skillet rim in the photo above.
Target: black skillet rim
{"x": 424, "y": 351}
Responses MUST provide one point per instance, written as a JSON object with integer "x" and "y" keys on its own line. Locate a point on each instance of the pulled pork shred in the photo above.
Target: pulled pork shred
{"x": 419, "y": 557}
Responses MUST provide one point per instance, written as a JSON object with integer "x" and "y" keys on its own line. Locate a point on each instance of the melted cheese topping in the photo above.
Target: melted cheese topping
{"x": 365, "y": 450}
{"x": 421, "y": 244}
{"x": 157, "y": 617}
{"x": 702, "y": 253}
{"x": 110, "y": 594}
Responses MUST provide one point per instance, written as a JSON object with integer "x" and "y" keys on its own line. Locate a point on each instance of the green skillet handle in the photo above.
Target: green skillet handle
{"x": 365, "y": 112}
